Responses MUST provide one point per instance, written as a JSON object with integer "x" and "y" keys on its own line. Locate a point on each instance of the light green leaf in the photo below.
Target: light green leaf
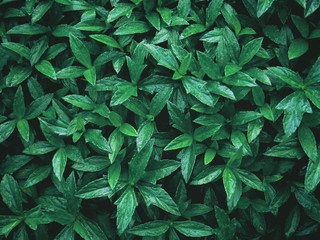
{"x": 37, "y": 176}
{"x": 128, "y": 130}
{"x": 287, "y": 75}
{"x": 23, "y": 128}
{"x": 182, "y": 141}
{"x": 312, "y": 177}
{"x": 59, "y": 163}
{"x": 132, "y": 28}
{"x": 91, "y": 75}
{"x": 124, "y": 91}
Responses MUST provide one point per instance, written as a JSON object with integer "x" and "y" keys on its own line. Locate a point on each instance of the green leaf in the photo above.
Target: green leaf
{"x": 313, "y": 74}
{"x": 132, "y": 28}
{"x": 95, "y": 137}
{"x": 28, "y": 29}
{"x": 128, "y": 130}
{"x": 163, "y": 56}
{"x": 126, "y": 206}
{"x": 292, "y": 221}
{"x": 287, "y": 75}
{"x": 229, "y": 182}
{"x": 311, "y": 7}
{"x": 119, "y": 11}
{"x": 185, "y": 64}
{"x": 308, "y": 142}
{"x": 184, "y": 7}
{"x": 80, "y": 50}
{"x": 139, "y": 161}
{"x": 83, "y": 102}
{"x": 11, "y": 194}
{"x": 18, "y": 48}
{"x": 301, "y": 24}
{"x": 208, "y": 175}
{"x": 182, "y": 141}
{"x": 204, "y": 132}
{"x": 181, "y": 121}
{"x": 249, "y": 179}
{"x": 37, "y": 176}
{"x": 46, "y": 68}
{"x": 23, "y": 128}
{"x": 240, "y": 79}
{"x": 66, "y": 233}
{"x": 209, "y": 155}
{"x": 297, "y": 48}
{"x": 88, "y": 229}
{"x": 193, "y": 229}
{"x": 192, "y": 30}
{"x": 116, "y": 140}
{"x": 312, "y": 177}
{"x": 114, "y": 172}
{"x": 38, "y": 106}
{"x": 290, "y": 149}
{"x": 220, "y": 89}
{"x": 197, "y": 88}
{"x": 106, "y": 40}
{"x": 263, "y": 6}
{"x": 59, "y": 162}
{"x": 249, "y": 50}
{"x": 95, "y": 189}
{"x": 230, "y": 15}
{"x": 124, "y": 91}
{"x": 150, "y": 229}
{"x": 294, "y": 106}
{"x": 18, "y": 103}
{"x": 17, "y": 75}
{"x": 38, "y": 49}
{"x": 159, "y": 101}
{"x": 155, "y": 195}
{"x": 209, "y": 66}
{"x": 244, "y": 117}
{"x": 39, "y": 148}
{"x": 7, "y": 223}
{"x": 6, "y": 129}
{"x": 40, "y": 10}
{"x": 213, "y": 11}
{"x": 188, "y": 158}
{"x": 71, "y": 72}
{"x": 145, "y": 132}
{"x": 90, "y": 75}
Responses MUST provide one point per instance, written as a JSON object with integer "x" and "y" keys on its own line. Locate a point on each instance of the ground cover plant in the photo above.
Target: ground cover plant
{"x": 159, "y": 119}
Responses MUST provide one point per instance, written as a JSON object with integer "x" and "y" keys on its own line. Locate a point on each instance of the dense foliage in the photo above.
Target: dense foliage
{"x": 159, "y": 119}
